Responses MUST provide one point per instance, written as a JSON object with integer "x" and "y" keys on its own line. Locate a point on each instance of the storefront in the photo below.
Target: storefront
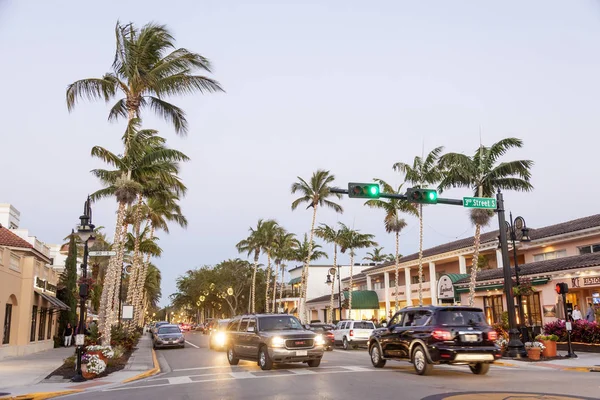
{"x": 365, "y": 306}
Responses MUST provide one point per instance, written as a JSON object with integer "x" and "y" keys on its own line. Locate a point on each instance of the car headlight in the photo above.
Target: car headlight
{"x": 181, "y": 339}
{"x": 277, "y": 342}
{"x": 220, "y": 339}
{"x": 319, "y": 340}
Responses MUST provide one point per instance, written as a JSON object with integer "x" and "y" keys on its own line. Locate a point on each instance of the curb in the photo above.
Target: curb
{"x": 581, "y": 369}
{"x": 145, "y": 374}
{"x": 41, "y": 395}
{"x": 504, "y": 364}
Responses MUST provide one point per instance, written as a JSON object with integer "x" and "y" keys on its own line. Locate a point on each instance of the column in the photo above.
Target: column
{"x": 386, "y": 296}
{"x": 499, "y": 258}
{"x": 369, "y": 287}
{"x": 407, "y": 288}
{"x": 462, "y": 265}
{"x": 432, "y": 283}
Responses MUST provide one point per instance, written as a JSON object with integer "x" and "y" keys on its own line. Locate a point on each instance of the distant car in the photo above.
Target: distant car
{"x": 353, "y": 333}
{"x": 156, "y": 326}
{"x": 168, "y": 336}
{"x": 185, "y": 327}
{"x": 218, "y": 335}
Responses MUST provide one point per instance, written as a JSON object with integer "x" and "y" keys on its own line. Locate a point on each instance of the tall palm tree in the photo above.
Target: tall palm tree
{"x": 376, "y": 256}
{"x": 393, "y": 222}
{"x": 482, "y": 173}
{"x": 252, "y": 245}
{"x": 330, "y": 235}
{"x": 352, "y": 239}
{"x": 423, "y": 171}
{"x": 146, "y": 68}
{"x": 269, "y": 233}
{"x": 391, "y": 257}
{"x": 315, "y": 193}
{"x": 284, "y": 246}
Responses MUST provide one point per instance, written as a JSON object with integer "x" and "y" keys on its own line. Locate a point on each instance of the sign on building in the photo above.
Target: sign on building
{"x": 445, "y": 288}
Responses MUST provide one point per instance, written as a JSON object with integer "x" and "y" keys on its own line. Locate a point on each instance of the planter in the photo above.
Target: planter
{"x": 534, "y": 353}
{"x": 85, "y": 373}
{"x": 97, "y": 353}
{"x": 550, "y": 350}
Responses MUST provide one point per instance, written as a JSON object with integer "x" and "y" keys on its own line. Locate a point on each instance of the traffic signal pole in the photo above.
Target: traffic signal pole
{"x": 515, "y": 346}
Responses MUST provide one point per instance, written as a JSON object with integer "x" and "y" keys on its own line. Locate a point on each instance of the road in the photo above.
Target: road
{"x": 199, "y": 373}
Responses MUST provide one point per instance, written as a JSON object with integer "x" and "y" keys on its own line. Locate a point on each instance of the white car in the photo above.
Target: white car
{"x": 353, "y": 333}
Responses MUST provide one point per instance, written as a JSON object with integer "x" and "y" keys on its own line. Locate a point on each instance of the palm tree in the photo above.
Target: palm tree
{"x": 152, "y": 292}
{"x": 269, "y": 233}
{"x": 146, "y": 68}
{"x": 376, "y": 256}
{"x": 391, "y": 257}
{"x": 485, "y": 176}
{"x": 284, "y": 246}
{"x": 316, "y": 193}
{"x": 253, "y": 245}
{"x": 330, "y": 235}
{"x": 352, "y": 239}
{"x": 393, "y": 222}
{"x": 423, "y": 171}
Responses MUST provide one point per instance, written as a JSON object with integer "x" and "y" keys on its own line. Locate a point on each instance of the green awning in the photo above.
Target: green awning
{"x": 457, "y": 277}
{"x": 363, "y": 299}
{"x": 534, "y": 282}
{"x": 295, "y": 280}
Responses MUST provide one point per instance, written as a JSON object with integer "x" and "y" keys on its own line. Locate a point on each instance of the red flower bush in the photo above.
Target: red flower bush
{"x": 583, "y": 331}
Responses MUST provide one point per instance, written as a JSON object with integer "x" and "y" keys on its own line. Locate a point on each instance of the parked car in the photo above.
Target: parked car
{"x": 353, "y": 333}
{"x": 185, "y": 327}
{"x": 432, "y": 335}
{"x": 168, "y": 336}
{"x": 218, "y": 335}
{"x": 327, "y": 331}
{"x": 270, "y": 339}
{"x": 156, "y": 326}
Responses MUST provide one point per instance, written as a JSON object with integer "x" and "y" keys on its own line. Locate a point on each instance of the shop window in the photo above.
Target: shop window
{"x": 493, "y": 308}
{"x": 532, "y": 310}
{"x": 42, "y": 327}
{"x": 415, "y": 279}
{"x": 594, "y": 248}
{"x": 377, "y": 285}
{"x": 33, "y": 321}
{"x": 551, "y": 255}
{"x": 7, "y": 323}
{"x": 49, "y": 334}
{"x": 15, "y": 262}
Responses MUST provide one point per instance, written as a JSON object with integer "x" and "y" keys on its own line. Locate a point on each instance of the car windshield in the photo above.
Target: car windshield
{"x": 364, "y": 325}
{"x": 279, "y": 323}
{"x": 460, "y": 317}
{"x": 168, "y": 329}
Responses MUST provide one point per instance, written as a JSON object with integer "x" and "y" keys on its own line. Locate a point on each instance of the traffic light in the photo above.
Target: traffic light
{"x": 363, "y": 190}
{"x": 423, "y": 196}
{"x": 562, "y": 288}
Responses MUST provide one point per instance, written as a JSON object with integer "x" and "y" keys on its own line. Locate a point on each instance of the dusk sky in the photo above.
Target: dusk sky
{"x": 348, "y": 86}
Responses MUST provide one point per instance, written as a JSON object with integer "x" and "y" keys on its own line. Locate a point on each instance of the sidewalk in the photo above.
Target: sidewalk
{"x": 585, "y": 362}
{"x": 17, "y": 377}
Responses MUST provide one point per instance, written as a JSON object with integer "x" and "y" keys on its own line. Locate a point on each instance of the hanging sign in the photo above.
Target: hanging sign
{"x": 445, "y": 288}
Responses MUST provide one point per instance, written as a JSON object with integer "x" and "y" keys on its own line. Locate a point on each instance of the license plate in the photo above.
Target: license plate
{"x": 301, "y": 352}
{"x": 470, "y": 338}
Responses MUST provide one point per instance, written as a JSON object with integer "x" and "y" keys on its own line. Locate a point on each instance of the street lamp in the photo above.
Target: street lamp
{"x": 85, "y": 231}
{"x": 515, "y": 345}
{"x": 517, "y": 230}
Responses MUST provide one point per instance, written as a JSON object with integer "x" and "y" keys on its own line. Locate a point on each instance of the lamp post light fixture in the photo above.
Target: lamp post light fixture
{"x": 85, "y": 231}
{"x": 517, "y": 230}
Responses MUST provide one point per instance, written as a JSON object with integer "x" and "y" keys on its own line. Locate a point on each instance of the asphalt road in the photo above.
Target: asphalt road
{"x": 199, "y": 373}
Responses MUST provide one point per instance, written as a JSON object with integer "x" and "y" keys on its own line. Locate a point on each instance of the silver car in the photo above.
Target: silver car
{"x": 168, "y": 336}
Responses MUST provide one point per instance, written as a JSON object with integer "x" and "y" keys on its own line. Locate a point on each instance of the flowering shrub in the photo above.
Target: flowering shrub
{"x": 501, "y": 342}
{"x": 95, "y": 365}
{"x": 105, "y": 350}
{"x": 552, "y": 338}
{"x": 583, "y": 331}
{"x": 531, "y": 345}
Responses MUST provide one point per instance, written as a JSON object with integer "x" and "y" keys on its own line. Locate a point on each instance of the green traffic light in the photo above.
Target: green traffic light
{"x": 374, "y": 190}
{"x": 432, "y": 195}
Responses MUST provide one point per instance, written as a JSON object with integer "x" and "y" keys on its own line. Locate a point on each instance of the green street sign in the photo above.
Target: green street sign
{"x": 479, "y": 202}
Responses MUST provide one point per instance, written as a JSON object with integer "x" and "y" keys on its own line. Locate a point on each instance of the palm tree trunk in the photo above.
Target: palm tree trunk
{"x": 351, "y": 284}
{"x": 133, "y": 291}
{"x": 253, "y": 293}
{"x": 276, "y": 273}
{"x": 397, "y": 305}
{"x": 114, "y": 310}
{"x": 420, "y": 254}
{"x": 303, "y": 309}
{"x": 281, "y": 286}
{"x": 144, "y": 270}
{"x": 268, "y": 281}
{"x": 475, "y": 266}
{"x": 333, "y": 284}
{"x": 110, "y": 281}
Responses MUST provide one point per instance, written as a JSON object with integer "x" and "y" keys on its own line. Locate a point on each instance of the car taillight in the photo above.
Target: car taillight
{"x": 351, "y": 332}
{"x": 330, "y": 334}
{"x": 493, "y": 335}
{"x": 442, "y": 335}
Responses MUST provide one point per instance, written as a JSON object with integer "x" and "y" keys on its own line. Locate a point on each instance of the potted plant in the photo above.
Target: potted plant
{"x": 94, "y": 366}
{"x": 103, "y": 352}
{"x": 549, "y": 342}
{"x": 534, "y": 350}
{"x": 502, "y": 343}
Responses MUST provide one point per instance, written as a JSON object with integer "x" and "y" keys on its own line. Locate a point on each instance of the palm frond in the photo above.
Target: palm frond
{"x": 92, "y": 89}
{"x": 170, "y": 113}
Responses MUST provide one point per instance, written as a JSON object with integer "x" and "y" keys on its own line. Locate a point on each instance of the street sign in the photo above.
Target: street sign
{"x": 102, "y": 253}
{"x": 479, "y": 202}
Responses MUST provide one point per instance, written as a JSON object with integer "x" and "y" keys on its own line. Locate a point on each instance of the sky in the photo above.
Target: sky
{"x": 348, "y": 86}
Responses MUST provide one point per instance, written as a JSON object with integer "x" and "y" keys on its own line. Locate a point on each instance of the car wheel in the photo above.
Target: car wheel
{"x": 231, "y": 357}
{"x": 345, "y": 344}
{"x": 480, "y": 368}
{"x": 264, "y": 361}
{"x": 314, "y": 363}
{"x": 376, "y": 357}
{"x": 422, "y": 366}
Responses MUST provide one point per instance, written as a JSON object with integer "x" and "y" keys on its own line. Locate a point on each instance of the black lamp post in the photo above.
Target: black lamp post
{"x": 85, "y": 232}
{"x": 517, "y": 230}
{"x": 515, "y": 346}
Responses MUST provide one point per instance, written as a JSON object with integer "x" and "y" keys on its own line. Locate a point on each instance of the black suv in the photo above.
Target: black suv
{"x": 272, "y": 338}
{"x": 436, "y": 335}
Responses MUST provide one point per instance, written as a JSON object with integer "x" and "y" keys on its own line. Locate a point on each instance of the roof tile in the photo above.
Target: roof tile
{"x": 7, "y": 238}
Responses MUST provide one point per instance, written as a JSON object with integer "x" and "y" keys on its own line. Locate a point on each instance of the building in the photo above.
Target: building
{"x": 562, "y": 252}
{"x": 28, "y": 284}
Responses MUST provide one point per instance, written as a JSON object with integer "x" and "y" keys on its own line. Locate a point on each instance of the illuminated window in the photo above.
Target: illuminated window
{"x": 493, "y": 308}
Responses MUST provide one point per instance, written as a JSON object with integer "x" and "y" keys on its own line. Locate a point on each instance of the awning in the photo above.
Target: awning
{"x": 363, "y": 299}
{"x": 295, "y": 280}
{"x": 534, "y": 282}
{"x": 56, "y": 303}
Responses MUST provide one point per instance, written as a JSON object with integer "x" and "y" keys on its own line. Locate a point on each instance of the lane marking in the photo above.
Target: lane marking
{"x": 192, "y": 344}
{"x": 243, "y": 375}
{"x": 302, "y": 371}
{"x": 351, "y": 352}
{"x": 178, "y": 380}
{"x": 202, "y": 368}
